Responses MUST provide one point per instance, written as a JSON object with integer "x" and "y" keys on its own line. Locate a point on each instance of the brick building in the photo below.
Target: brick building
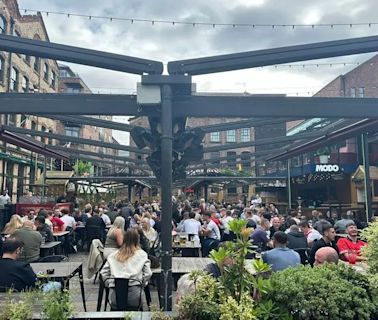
{"x": 21, "y": 73}
{"x": 70, "y": 82}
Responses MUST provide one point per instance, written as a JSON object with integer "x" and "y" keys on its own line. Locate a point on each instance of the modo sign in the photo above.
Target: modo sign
{"x": 327, "y": 168}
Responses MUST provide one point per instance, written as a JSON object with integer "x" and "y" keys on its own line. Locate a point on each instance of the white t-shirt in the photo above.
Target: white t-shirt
{"x": 69, "y": 221}
{"x": 313, "y": 235}
{"x": 191, "y": 226}
{"x": 106, "y": 219}
{"x": 215, "y": 233}
{"x": 225, "y": 221}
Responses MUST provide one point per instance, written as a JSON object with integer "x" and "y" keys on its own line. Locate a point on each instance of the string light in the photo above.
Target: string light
{"x": 208, "y": 24}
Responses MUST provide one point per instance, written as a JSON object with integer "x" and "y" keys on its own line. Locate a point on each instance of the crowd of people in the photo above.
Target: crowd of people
{"x": 130, "y": 236}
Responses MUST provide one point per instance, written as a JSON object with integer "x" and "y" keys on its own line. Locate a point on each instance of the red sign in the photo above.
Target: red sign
{"x": 22, "y": 209}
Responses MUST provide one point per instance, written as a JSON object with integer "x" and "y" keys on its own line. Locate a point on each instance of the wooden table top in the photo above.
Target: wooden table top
{"x": 60, "y": 233}
{"x": 187, "y": 245}
{"x": 61, "y": 269}
{"x": 183, "y": 265}
{"x": 50, "y": 245}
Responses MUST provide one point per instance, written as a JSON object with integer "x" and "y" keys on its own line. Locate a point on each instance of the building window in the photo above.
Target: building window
{"x": 72, "y": 90}
{"x": 231, "y": 190}
{"x": 2, "y": 66}
{"x": 46, "y": 72}
{"x": 353, "y": 92}
{"x": 245, "y": 134}
{"x": 28, "y": 60}
{"x": 215, "y": 137}
{"x": 72, "y": 131}
{"x": 361, "y": 92}
{"x": 53, "y": 79}
{"x": 231, "y": 136}
{"x": 36, "y": 63}
{"x": 25, "y": 84}
{"x": 3, "y": 25}
{"x": 23, "y": 121}
{"x": 33, "y": 125}
{"x": 215, "y": 156}
{"x": 231, "y": 159}
{"x": 14, "y": 79}
{"x": 245, "y": 159}
{"x": 12, "y": 119}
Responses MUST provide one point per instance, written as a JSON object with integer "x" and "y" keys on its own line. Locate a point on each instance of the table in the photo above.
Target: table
{"x": 64, "y": 271}
{"x": 60, "y": 233}
{"x": 48, "y": 247}
{"x": 183, "y": 265}
{"x": 189, "y": 248}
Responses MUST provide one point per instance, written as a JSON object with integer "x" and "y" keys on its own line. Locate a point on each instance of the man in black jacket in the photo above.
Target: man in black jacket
{"x": 328, "y": 240}
{"x": 298, "y": 242}
{"x": 14, "y": 273}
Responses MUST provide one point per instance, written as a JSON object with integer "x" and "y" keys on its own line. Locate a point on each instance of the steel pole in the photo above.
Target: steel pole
{"x": 288, "y": 184}
{"x": 166, "y": 196}
{"x": 367, "y": 183}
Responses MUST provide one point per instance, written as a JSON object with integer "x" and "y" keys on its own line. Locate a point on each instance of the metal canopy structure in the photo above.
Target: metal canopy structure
{"x": 177, "y": 101}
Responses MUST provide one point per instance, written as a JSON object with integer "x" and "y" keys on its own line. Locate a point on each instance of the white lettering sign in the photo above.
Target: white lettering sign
{"x": 327, "y": 168}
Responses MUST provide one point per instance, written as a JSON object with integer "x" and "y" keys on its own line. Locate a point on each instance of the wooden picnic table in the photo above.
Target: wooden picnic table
{"x": 63, "y": 271}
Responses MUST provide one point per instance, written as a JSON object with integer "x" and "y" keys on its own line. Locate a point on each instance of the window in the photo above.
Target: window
{"x": 245, "y": 159}
{"x": 25, "y": 84}
{"x": 215, "y": 137}
{"x": 46, "y": 72}
{"x": 53, "y": 79}
{"x": 2, "y": 66}
{"x": 72, "y": 131}
{"x": 33, "y": 125}
{"x": 12, "y": 119}
{"x": 361, "y": 92}
{"x": 36, "y": 65}
{"x": 231, "y": 190}
{"x": 353, "y": 92}
{"x": 231, "y": 159}
{"x": 72, "y": 90}
{"x": 28, "y": 59}
{"x": 63, "y": 73}
{"x": 245, "y": 134}
{"x": 215, "y": 155}
{"x": 14, "y": 79}
{"x": 3, "y": 25}
{"x": 231, "y": 136}
{"x": 23, "y": 121}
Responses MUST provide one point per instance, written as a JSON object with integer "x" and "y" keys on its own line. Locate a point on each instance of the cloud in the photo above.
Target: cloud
{"x": 165, "y": 42}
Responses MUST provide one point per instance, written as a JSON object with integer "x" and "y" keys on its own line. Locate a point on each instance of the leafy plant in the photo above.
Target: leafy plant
{"x": 16, "y": 310}
{"x": 57, "y": 305}
{"x": 324, "y": 292}
{"x": 81, "y": 167}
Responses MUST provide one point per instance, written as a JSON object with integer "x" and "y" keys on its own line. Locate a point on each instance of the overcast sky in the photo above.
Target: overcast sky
{"x": 165, "y": 42}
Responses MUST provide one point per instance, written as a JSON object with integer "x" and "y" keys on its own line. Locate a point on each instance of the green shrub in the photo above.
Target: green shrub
{"x": 57, "y": 305}
{"x": 324, "y": 292}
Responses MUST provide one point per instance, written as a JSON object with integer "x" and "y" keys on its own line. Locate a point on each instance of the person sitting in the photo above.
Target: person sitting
{"x": 350, "y": 246}
{"x": 148, "y": 231}
{"x": 14, "y": 273}
{"x": 14, "y": 224}
{"x": 43, "y": 229}
{"x": 346, "y": 219}
{"x": 114, "y": 238}
{"x": 191, "y": 225}
{"x": 251, "y": 223}
{"x": 328, "y": 240}
{"x": 68, "y": 220}
{"x": 326, "y": 255}
{"x": 211, "y": 234}
{"x": 58, "y": 224}
{"x": 95, "y": 226}
{"x": 129, "y": 262}
{"x": 310, "y": 233}
{"x": 276, "y": 226}
{"x": 32, "y": 241}
{"x": 281, "y": 257}
{"x": 259, "y": 235}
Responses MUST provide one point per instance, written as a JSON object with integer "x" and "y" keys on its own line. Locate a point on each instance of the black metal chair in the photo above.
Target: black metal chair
{"x": 54, "y": 258}
{"x": 303, "y": 253}
{"x": 121, "y": 289}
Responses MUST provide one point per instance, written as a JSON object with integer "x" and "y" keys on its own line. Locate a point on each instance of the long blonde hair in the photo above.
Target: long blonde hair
{"x": 14, "y": 224}
{"x": 119, "y": 223}
{"x": 130, "y": 245}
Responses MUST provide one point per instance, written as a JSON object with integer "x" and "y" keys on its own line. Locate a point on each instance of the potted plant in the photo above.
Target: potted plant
{"x": 322, "y": 155}
{"x": 57, "y": 305}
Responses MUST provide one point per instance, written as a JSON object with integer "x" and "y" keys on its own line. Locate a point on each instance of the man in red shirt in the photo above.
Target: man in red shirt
{"x": 350, "y": 247}
{"x": 58, "y": 224}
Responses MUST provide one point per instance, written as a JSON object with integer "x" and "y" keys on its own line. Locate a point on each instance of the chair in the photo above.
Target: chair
{"x": 93, "y": 232}
{"x": 54, "y": 258}
{"x": 303, "y": 253}
{"x": 121, "y": 290}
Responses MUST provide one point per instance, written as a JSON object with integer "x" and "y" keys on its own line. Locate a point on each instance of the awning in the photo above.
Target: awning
{"x": 352, "y": 130}
{"x": 30, "y": 144}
